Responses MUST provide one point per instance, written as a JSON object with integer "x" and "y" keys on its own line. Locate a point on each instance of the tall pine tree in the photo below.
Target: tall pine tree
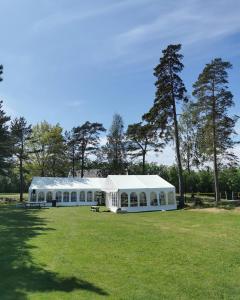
{"x": 170, "y": 89}
{"x": 21, "y": 133}
{"x": 216, "y": 126}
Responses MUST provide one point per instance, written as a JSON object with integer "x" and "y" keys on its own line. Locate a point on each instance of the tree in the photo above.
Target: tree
{"x": 21, "y": 133}
{"x": 170, "y": 89}
{"x": 48, "y": 149}
{"x": 1, "y": 72}
{"x": 87, "y": 140}
{"x": 188, "y": 127}
{"x": 142, "y": 138}
{"x": 115, "y": 148}
{"x": 5, "y": 142}
{"x": 216, "y": 127}
{"x": 71, "y": 146}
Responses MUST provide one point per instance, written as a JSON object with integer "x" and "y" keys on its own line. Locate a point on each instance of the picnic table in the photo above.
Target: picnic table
{"x": 35, "y": 204}
{"x": 95, "y": 208}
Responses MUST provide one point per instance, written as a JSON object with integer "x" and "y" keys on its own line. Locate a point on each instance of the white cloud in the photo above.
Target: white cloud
{"x": 187, "y": 22}
{"x": 75, "y": 103}
{"x": 64, "y": 17}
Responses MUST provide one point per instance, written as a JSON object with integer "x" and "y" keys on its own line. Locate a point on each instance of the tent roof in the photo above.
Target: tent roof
{"x": 112, "y": 182}
{"x": 68, "y": 183}
{"x": 139, "y": 182}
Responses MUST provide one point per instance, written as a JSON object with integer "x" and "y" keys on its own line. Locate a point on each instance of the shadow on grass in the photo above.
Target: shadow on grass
{"x": 18, "y": 272}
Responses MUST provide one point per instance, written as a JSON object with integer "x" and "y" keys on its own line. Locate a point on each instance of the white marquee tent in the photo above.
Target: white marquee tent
{"x": 131, "y": 193}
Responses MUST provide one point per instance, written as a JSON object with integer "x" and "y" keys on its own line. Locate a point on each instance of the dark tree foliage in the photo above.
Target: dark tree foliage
{"x": 216, "y": 126}
{"x": 20, "y": 134}
{"x": 71, "y": 148}
{"x": 1, "y": 72}
{"x": 87, "y": 140}
{"x": 115, "y": 148}
{"x": 5, "y": 142}
{"x": 142, "y": 138}
{"x": 170, "y": 89}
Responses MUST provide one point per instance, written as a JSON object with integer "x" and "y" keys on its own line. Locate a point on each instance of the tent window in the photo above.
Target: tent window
{"x": 154, "y": 201}
{"x": 143, "y": 199}
{"x": 49, "y": 197}
{"x": 58, "y": 196}
{"x": 162, "y": 197}
{"x": 33, "y": 196}
{"x": 171, "y": 198}
{"x": 40, "y": 196}
{"x": 89, "y": 196}
{"x": 82, "y": 196}
{"x": 133, "y": 199}
{"x": 124, "y": 200}
{"x": 66, "y": 197}
{"x": 73, "y": 196}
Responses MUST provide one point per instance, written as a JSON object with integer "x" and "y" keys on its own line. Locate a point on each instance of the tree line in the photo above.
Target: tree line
{"x": 199, "y": 126}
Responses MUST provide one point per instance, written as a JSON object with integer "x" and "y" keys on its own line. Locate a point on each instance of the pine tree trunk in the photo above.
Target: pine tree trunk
{"x": 143, "y": 162}
{"x": 179, "y": 163}
{"x": 73, "y": 162}
{"x": 215, "y": 162}
{"x": 82, "y": 165}
{"x": 21, "y": 178}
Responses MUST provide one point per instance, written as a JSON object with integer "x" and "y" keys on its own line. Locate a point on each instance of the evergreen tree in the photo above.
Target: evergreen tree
{"x": 142, "y": 138}
{"x": 216, "y": 126}
{"x": 170, "y": 89}
{"x": 1, "y": 72}
{"x": 116, "y": 146}
{"x": 87, "y": 140}
{"x": 20, "y": 132}
{"x": 5, "y": 142}
{"x": 71, "y": 147}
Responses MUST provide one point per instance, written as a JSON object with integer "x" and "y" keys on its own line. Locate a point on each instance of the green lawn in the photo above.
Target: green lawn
{"x": 72, "y": 253}
{"x": 13, "y": 195}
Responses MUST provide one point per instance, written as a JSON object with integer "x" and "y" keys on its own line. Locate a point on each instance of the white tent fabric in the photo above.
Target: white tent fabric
{"x": 66, "y": 183}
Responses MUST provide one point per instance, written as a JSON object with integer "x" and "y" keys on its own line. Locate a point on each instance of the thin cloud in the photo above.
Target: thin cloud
{"x": 75, "y": 103}
{"x": 61, "y": 18}
{"x": 189, "y": 23}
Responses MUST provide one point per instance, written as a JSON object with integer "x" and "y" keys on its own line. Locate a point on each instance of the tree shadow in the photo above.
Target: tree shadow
{"x": 18, "y": 272}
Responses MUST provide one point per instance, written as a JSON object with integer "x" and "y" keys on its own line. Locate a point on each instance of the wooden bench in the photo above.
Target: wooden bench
{"x": 95, "y": 208}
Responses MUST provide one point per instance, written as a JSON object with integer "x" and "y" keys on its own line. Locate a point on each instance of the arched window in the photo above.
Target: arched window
{"x": 59, "y": 196}
{"x": 162, "y": 198}
{"x": 49, "y": 197}
{"x": 143, "y": 199}
{"x": 66, "y": 197}
{"x": 73, "y": 196}
{"x": 33, "y": 196}
{"x": 124, "y": 200}
{"x": 133, "y": 199}
{"x": 82, "y": 196}
{"x": 89, "y": 196}
{"x": 171, "y": 199}
{"x": 153, "y": 199}
{"x": 40, "y": 196}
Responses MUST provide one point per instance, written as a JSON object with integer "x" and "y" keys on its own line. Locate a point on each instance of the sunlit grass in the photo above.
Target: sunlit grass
{"x": 72, "y": 253}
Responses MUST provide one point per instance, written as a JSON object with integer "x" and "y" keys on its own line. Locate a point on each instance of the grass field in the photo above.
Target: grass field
{"x": 72, "y": 253}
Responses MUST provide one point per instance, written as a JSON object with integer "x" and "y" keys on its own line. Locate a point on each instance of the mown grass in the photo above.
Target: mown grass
{"x": 13, "y": 196}
{"x": 72, "y": 253}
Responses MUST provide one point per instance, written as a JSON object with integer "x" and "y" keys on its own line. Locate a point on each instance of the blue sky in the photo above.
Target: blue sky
{"x": 69, "y": 61}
